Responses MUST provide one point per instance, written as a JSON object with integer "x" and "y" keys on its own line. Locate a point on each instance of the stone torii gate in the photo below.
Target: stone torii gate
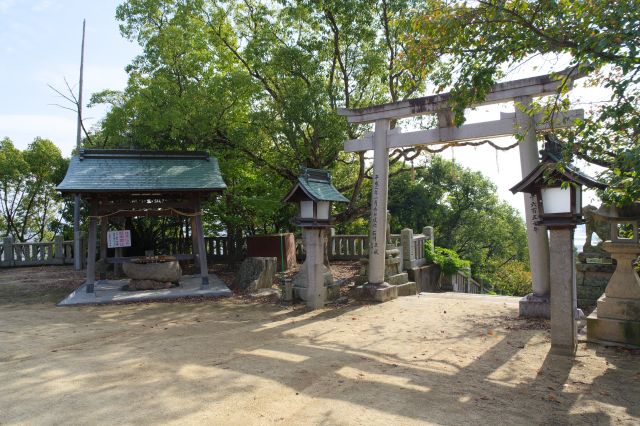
{"x": 521, "y": 92}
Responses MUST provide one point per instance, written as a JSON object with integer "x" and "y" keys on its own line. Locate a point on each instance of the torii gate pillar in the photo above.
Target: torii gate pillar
{"x": 376, "y": 288}
{"x": 535, "y": 304}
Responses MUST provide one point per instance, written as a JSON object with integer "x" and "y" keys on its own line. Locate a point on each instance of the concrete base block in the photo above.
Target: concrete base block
{"x": 407, "y": 289}
{"x": 613, "y": 330}
{"x": 376, "y": 292}
{"x": 532, "y": 306}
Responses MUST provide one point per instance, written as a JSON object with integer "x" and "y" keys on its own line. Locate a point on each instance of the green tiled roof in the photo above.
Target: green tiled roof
{"x": 317, "y": 185}
{"x": 129, "y": 170}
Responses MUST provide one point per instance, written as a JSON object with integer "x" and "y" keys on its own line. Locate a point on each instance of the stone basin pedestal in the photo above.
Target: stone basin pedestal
{"x": 153, "y": 274}
{"x": 617, "y": 317}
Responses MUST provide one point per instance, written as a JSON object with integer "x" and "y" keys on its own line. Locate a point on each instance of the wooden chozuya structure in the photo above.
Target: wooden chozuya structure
{"x": 119, "y": 183}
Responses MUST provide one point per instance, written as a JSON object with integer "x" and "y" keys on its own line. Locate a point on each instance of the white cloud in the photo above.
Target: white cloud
{"x": 42, "y": 5}
{"x": 5, "y": 5}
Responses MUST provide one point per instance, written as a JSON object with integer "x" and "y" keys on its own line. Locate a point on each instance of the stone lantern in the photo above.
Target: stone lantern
{"x": 617, "y": 316}
{"x": 314, "y": 194}
{"x": 558, "y": 190}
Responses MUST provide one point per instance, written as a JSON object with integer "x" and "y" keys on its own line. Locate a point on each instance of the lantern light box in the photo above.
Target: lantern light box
{"x": 314, "y": 192}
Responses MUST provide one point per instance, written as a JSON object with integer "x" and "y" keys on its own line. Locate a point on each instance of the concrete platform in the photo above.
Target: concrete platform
{"x": 110, "y": 291}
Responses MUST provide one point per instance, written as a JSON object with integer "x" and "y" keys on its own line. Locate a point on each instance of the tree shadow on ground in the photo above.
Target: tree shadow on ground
{"x": 176, "y": 361}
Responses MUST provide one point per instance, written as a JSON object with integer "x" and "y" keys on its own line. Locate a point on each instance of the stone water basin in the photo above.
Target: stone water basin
{"x": 152, "y": 273}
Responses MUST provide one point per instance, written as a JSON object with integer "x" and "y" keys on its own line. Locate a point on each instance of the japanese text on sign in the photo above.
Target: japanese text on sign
{"x": 119, "y": 238}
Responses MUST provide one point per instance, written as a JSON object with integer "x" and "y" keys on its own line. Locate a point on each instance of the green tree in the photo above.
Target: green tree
{"x": 258, "y": 83}
{"x": 469, "y": 45}
{"x": 28, "y": 200}
{"x": 464, "y": 209}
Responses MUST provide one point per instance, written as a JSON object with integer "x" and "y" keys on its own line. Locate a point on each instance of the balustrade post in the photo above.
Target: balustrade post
{"x": 427, "y": 231}
{"x": 8, "y": 251}
{"x": 58, "y": 249}
{"x": 408, "y": 249}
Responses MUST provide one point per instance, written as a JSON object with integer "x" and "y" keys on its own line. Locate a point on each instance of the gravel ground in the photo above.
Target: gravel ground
{"x": 429, "y": 359}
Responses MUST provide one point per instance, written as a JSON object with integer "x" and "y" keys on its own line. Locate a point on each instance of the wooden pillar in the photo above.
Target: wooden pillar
{"x": 202, "y": 252}
{"x": 91, "y": 255}
{"x": 195, "y": 243}
{"x": 104, "y": 228}
{"x": 77, "y": 237}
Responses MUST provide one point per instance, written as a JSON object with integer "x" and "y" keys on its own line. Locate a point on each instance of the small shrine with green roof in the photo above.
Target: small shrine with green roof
{"x": 119, "y": 183}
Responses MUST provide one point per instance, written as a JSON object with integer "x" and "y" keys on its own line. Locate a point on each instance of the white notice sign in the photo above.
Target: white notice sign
{"x": 119, "y": 238}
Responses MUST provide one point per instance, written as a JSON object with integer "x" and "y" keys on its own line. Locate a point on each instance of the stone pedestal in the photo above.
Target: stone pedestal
{"x": 300, "y": 281}
{"x": 617, "y": 316}
{"x": 563, "y": 296}
{"x": 396, "y": 282}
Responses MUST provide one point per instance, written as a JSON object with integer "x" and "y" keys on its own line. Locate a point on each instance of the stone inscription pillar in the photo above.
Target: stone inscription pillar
{"x": 378, "y": 219}
{"x": 535, "y": 304}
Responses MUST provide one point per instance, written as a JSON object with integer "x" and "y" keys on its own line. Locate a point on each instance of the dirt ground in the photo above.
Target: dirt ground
{"x": 430, "y": 359}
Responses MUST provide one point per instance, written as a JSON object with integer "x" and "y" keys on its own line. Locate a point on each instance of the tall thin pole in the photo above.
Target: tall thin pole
{"x": 77, "y": 246}
{"x": 79, "y": 130}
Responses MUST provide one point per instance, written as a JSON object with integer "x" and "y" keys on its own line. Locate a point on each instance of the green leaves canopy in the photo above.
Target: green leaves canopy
{"x": 258, "y": 84}
{"x": 469, "y": 45}
{"x": 28, "y": 200}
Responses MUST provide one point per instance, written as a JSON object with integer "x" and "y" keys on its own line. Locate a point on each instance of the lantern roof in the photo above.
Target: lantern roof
{"x": 314, "y": 184}
{"x": 548, "y": 171}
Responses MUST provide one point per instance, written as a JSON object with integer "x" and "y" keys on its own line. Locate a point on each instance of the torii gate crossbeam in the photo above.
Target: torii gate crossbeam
{"x": 521, "y": 92}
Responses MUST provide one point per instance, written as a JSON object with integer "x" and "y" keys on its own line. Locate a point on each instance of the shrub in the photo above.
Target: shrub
{"x": 448, "y": 260}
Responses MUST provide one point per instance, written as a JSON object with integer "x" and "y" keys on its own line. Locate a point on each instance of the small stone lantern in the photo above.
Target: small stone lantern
{"x": 559, "y": 196}
{"x": 314, "y": 194}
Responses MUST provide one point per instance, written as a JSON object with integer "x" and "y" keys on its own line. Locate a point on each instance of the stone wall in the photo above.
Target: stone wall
{"x": 591, "y": 280}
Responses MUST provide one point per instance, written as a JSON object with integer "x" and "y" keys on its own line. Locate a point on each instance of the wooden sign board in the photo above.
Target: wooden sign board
{"x": 119, "y": 238}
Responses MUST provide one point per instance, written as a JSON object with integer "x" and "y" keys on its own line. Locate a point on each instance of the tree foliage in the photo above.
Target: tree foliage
{"x": 469, "y": 45}
{"x": 258, "y": 83}
{"x": 464, "y": 209}
{"x": 28, "y": 200}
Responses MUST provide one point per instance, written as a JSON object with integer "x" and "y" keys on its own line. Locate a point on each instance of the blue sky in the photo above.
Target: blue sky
{"x": 40, "y": 45}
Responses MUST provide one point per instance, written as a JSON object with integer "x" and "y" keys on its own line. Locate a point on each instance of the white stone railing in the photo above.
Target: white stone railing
{"x": 413, "y": 246}
{"x": 56, "y": 252}
{"x": 461, "y": 283}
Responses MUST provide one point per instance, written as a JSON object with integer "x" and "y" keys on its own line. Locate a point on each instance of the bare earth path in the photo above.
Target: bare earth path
{"x": 438, "y": 358}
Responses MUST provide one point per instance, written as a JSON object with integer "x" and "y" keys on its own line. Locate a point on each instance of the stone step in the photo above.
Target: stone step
{"x": 397, "y": 279}
{"x": 407, "y": 289}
